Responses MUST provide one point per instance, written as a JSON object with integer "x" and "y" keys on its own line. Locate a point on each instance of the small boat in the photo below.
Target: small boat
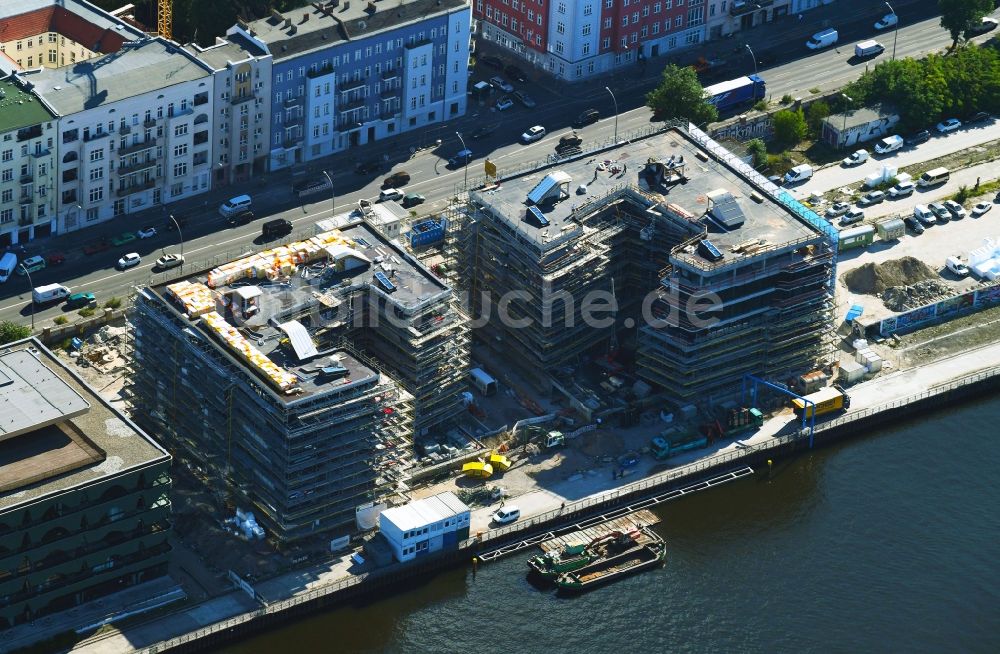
{"x": 647, "y": 555}
{"x": 575, "y": 556}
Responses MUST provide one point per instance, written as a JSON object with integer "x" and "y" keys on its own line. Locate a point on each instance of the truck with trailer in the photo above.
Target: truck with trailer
{"x": 826, "y": 400}
{"x": 735, "y": 92}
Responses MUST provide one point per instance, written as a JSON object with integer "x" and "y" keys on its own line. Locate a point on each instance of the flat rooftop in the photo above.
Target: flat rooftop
{"x": 141, "y": 67}
{"x": 321, "y": 24}
{"x": 80, "y": 449}
{"x": 234, "y": 49}
{"x": 265, "y": 311}
{"x": 19, "y": 108}
{"x": 33, "y": 396}
{"x": 607, "y": 172}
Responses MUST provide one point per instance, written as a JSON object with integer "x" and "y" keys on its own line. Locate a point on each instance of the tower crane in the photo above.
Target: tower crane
{"x": 164, "y": 18}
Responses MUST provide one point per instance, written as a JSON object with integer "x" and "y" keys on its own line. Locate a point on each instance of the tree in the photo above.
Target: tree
{"x": 680, "y": 95}
{"x": 958, "y": 15}
{"x": 789, "y": 126}
{"x": 815, "y": 114}
{"x": 757, "y": 149}
{"x": 11, "y": 331}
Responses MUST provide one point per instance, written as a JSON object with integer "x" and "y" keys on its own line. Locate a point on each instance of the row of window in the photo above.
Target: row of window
{"x": 437, "y": 526}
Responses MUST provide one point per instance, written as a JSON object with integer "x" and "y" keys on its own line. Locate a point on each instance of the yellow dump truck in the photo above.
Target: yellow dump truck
{"x": 825, "y": 400}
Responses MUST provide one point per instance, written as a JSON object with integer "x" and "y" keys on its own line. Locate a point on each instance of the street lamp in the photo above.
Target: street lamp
{"x": 179, "y": 233}
{"x": 754, "y": 59}
{"x": 844, "y": 129}
{"x": 333, "y": 196}
{"x": 895, "y": 32}
{"x": 465, "y": 155}
{"x": 31, "y": 285}
{"x": 615, "y": 100}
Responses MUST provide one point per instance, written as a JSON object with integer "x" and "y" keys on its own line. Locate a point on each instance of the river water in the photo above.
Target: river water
{"x": 886, "y": 543}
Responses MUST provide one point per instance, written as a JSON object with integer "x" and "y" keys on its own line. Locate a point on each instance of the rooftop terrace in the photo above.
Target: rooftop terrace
{"x": 563, "y": 193}
{"x": 86, "y": 441}
{"x": 20, "y": 109}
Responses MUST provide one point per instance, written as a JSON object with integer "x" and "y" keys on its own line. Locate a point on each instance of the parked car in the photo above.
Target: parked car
{"x": 412, "y": 200}
{"x": 957, "y": 266}
{"x": 515, "y": 73}
{"x": 79, "y": 300}
{"x": 533, "y": 134}
{"x": 838, "y": 209}
{"x": 920, "y": 137}
{"x": 397, "y": 179}
{"x": 856, "y": 157}
{"x": 55, "y": 258}
{"x": 241, "y": 218}
{"x": 235, "y": 205}
{"x": 506, "y": 514}
{"x": 980, "y": 117}
{"x": 146, "y": 232}
{"x": 956, "y": 210}
{"x": 852, "y": 216}
{"x": 524, "y": 99}
{"x": 461, "y": 158}
{"x": 949, "y": 125}
{"x": 169, "y": 261}
{"x": 981, "y": 208}
{"x": 870, "y": 198}
{"x": 887, "y": 21}
{"x": 924, "y": 215}
{"x": 985, "y": 24}
{"x": 367, "y": 167}
{"x": 940, "y": 212}
{"x": 483, "y": 132}
{"x": 504, "y": 103}
{"x": 492, "y": 62}
{"x": 311, "y": 186}
{"x": 97, "y": 246}
{"x": 123, "y": 238}
{"x": 501, "y": 84}
{"x": 587, "y": 117}
{"x": 914, "y": 225}
{"x": 389, "y": 194}
{"x": 129, "y": 260}
{"x": 902, "y": 190}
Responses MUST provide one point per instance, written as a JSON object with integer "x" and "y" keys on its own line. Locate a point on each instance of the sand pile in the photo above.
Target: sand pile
{"x": 872, "y": 279}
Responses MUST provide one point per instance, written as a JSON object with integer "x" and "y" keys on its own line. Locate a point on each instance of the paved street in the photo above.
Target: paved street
{"x": 209, "y": 240}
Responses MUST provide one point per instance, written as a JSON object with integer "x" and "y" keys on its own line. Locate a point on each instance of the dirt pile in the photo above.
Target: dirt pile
{"x": 901, "y": 298}
{"x": 872, "y": 279}
{"x": 600, "y": 443}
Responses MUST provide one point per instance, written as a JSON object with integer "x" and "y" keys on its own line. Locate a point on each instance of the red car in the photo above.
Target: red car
{"x": 95, "y": 247}
{"x": 55, "y": 258}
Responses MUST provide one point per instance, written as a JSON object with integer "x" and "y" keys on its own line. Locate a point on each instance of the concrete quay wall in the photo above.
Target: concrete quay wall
{"x": 858, "y": 423}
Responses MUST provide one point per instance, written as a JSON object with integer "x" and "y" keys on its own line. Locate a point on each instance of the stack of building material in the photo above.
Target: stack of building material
{"x": 276, "y": 262}
{"x": 237, "y": 343}
{"x": 196, "y": 298}
{"x": 869, "y": 359}
{"x": 850, "y": 371}
{"x": 984, "y": 262}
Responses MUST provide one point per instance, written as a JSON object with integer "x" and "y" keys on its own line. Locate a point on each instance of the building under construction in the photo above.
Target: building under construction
{"x": 289, "y": 372}
{"x": 715, "y": 270}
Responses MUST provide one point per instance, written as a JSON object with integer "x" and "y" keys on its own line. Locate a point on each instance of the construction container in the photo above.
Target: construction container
{"x": 811, "y": 381}
{"x": 890, "y": 230}
{"x": 851, "y": 371}
{"x": 428, "y": 231}
{"x": 858, "y": 237}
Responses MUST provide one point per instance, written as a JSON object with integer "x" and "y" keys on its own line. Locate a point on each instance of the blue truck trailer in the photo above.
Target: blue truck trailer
{"x": 726, "y": 95}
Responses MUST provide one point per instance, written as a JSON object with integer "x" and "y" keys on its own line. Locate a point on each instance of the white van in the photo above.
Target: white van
{"x": 868, "y": 48}
{"x": 48, "y": 293}
{"x": 483, "y": 381}
{"x": 8, "y": 263}
{"x": 957, "y": 266}
{"x": 823, "y": 39}
{"x": 934, "y": 177}
{"x": 889, "y": 144}
{"x": 506, "y": 515}
{"x": 233, "y": 206}
{"x": 31, "y": 264}
{"x": 800, "y": 173}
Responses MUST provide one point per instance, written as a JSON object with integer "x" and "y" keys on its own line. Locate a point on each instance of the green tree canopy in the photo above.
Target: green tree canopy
{"x": 758, "y": 150}
{"x": 789, "y": 126}
{"x": 11, "y": 331}
{"x": 958, "y": 15}
{"x": 815, "y": 114}
{"x": 681, "y": 95}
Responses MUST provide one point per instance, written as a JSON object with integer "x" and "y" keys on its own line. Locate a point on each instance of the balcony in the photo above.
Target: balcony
{"x": 389, "y": 94}
{"x": 94, "y": 136}
{"x": 27, "y": 198}
{"x": 149, "y": 122}
{"x": 351, "y": 106}
{"x": 320, "y": 72}
{"x": 240, "y": 99}
{"x": 27, "y": 178}
{"x": 145, "y": 144}
{"x": 25, "y": 222}
{"x": 740, "y": 7}
{"x": 390, "y": 74}
{"x": 291, "y": 102}
{"x": 136, "y": 188}
{"x": 125, "y": 129}
{"x": 352, "y": 84}
{"x": 43, "y": 152}
{"x": 136, "y": 167}
{"x": 28, "y": 133}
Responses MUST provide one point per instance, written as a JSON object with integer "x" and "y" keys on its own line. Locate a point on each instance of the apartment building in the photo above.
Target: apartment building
{"x": 726, "y": 17}
{"x": 242, "y": 91}
{"x": 84, "y": 494}
{"x": 345, "y": 74}
{"x": 134, "y": 130}
{"x": 712, "y": 270}
{"x": 578, "y": 39}
{"x": 27, "y": 164}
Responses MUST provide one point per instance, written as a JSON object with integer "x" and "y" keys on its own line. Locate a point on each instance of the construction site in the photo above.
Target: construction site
{"x": 312, "y": 365}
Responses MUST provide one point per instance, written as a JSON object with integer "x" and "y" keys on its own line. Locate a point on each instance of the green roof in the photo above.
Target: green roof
{"x": 19, "y": 109}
